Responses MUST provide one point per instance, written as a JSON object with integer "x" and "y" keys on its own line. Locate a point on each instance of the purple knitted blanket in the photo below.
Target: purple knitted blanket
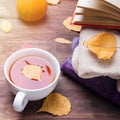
{"x": 103, "y": 86}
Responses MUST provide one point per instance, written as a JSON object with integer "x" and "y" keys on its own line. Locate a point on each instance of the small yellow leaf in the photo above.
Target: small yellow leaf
{"x": 69, "y": 26}
{"x": 53, "y": 2}
{"x": 103, "y": 45}
{"x": 62, "y": 40}
{"x": 56, "y": 104}
{"x": 6, "y": 26}
{"x": 32, "y": 72}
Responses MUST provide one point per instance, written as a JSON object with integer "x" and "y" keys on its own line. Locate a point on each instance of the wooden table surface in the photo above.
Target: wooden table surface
{"x": 86, "y": 105}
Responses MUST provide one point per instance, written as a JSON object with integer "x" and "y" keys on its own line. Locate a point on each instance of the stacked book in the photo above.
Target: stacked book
{"x": 101, "y": 13}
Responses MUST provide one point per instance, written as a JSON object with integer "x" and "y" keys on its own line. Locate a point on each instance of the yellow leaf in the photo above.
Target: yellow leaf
{"x": 6, "y": 26}
{"x": 62, "y": 40}
{"x": 56, "y": 104}
{"x": 103, "y": 45}
{"x": 32, "y": 72}
{"x": 69, "y": 26}
{"x": 53, "y": 2}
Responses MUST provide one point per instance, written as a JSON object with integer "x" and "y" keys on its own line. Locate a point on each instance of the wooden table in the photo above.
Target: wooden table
{"x": 86, "y": 105}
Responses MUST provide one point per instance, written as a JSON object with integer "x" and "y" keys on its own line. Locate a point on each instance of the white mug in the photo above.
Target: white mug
{"x": 23, "y": 96}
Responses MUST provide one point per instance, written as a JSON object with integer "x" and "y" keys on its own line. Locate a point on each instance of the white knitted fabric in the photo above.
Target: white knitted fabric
{"x": 87, "y": 65}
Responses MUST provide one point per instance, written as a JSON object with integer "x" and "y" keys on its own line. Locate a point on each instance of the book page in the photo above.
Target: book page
{"x": 89, "y": 12}
{"x": 91, "y": 20}
{"x": 98, "y": 5}
{"x": 110, "y": 4}
{"x": 114, "y": 2}
{"x": 98, "y": 13}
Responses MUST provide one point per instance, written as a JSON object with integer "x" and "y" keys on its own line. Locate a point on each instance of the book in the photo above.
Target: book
{"x": 98, "y": 13}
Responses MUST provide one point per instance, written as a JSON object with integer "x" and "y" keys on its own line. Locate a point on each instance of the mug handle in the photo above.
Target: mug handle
{"x": 20, "y": 101}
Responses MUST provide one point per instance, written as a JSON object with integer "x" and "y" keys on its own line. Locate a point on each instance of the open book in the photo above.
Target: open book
{"x": 100, "y": 13}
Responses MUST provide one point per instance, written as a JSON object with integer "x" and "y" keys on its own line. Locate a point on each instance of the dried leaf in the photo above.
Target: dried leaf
{"x": 6, "y": 26}
{"x": 103, "y": 45}
{"x": 62, "y": 40}
{"x": 53, "y": 2}
{"x": 56, "y": 104}
{"x": 69, "y": 26}
{"x": 32, "y": 72}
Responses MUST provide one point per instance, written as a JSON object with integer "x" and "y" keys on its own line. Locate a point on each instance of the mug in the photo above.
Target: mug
{"x": 22, "y": 95}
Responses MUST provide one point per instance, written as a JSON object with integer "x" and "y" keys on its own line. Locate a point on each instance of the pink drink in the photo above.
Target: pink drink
{"x": 46, "y": 77}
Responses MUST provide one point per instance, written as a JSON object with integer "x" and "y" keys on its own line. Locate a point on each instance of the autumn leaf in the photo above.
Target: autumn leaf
{"x": 62, "y": 40}
{"x": 53, "y": 2}
{"x": 103, "y": 45}
{"x": 56, "y": 104}
{"x": 68, "y": 25}
{"x": 6, "y": 26}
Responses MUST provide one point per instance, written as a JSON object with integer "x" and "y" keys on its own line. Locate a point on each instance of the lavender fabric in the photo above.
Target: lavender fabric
{"x": 103, "y": 86}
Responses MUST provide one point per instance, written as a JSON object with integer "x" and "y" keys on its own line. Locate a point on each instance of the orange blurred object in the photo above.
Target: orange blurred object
{"x": 31, "y": 10}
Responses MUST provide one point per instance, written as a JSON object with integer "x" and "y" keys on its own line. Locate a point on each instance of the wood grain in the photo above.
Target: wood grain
{"x": 86, "y": 105}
